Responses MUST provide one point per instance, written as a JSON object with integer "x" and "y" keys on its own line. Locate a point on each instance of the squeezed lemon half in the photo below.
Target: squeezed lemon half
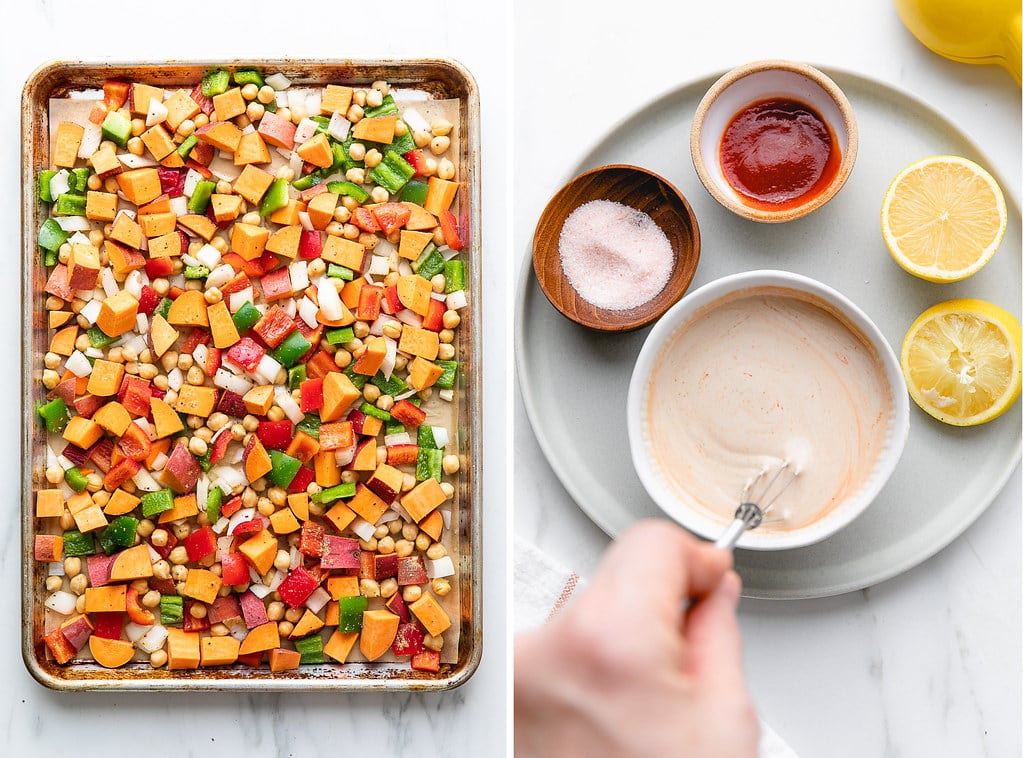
{"x": 961, "y": 360}
{"x": 943, "y": 218}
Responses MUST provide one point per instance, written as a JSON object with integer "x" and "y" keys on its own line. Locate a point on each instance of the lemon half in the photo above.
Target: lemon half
{"x": 961, "y": 360}
{"x": 943, "y": 218}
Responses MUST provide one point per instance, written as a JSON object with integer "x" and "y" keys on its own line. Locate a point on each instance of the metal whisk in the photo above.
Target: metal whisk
{"x": 759, "y": 494}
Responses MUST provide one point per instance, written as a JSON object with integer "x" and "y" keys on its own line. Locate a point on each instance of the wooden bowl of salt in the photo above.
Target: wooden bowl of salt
{"x": 615, "y": 248}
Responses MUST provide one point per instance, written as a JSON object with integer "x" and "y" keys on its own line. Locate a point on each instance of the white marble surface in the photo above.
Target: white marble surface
{"x": 924, "y": 664}
{"x": 465, "y": 722}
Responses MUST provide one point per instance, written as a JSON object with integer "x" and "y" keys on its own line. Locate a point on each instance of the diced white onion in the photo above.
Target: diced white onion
{"x": 305, "y": 221}
{"x": 312, "y": 103}
{"x": 397, "y": 439}
{"x": 221, "y": 525}
{"x": 237, "y": 628}
{"x": 297, "y": 271}
{"x": 306, "y": 128}
{"x": 388, "y": 515}
{"x": 457, "y": 300}
{"x": 175, "y": 378}
{"x": 208, "y": 256}
{"x": 379, "y": 265}
{"x": 233, "y": 367}
{"x": 439, "y": 296}
{"x": 91, "y": 138}
{"x": 179, "y": 205}
{"x": 201, "y": 354}
{"x": 447, "y": 253}
{"x": 288, "y": 404}
{"x": 288, "y": 306}
{"x": 405, "y": 268}
{"x": 260, "y": 590}
{"x": 93, "y": 352}
{"x": 90, "y": 311}
{"x": 228, "y": 381}
{"x": 363, "y": 529}
{"x": 60, "y": 183}
{"x": 153, "y": 555}
{"x": 145, "y": 482}
{"x": 220, "y": 275}
{"x": 345, "y": 456}
{"x": 73, "y": 223}
{"x": 330, "y": 300}
{"x": 296, "y": 559}
{"x": 266, "y": 369}
{"x": 152, "y": 640}
{"x": 240, "y": 517}
{"x": 138, "y": 342}
{"x": 227, "y": 478}
{"x": 188, "y": 260}
{"x": 143, "y": 424}
{"x": 157, "y": 113}
{"x": 387, "y": 365}
{"x": 239, "y": 298}
{"x": 307, "y": 312}
{"x": 440, "y": 436}
{"x": 141, "y": 325}
{"x": 132, "y": 161}
{"x": 278, "y": 81}
{"x": 295, "y": 163}
{"x": 415, "y": 120}
{"x": 192, "y": 179}
{"x": 339, "y": 126}
{"x": 446, "y": 395}
{"x": 55, "y": 568}
{"x": 133, "y": 284}
{"x": 202, "y": 491}
{"x": 135, "y": 632}
{"x": 411, "y": 318}
{"x": 317, "y": 599}
{"x": 159, "y": 462}
{"x": 224, "y": 168}
{"x": 78, "y": 364}
{"x": 446, "y": 515}
{"x": 61, "y": 602}
{"x": 223, "y": 544}
{"x": 440, "y": 567}
{"x": 377, "y": 327}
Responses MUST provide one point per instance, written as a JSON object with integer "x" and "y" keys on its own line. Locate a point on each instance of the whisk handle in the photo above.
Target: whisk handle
{"x": 747, "y": 516}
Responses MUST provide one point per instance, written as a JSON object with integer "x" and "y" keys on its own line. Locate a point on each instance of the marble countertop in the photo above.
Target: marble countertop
{"x": 464, "y": 722}
{"x": 927, "y": 663}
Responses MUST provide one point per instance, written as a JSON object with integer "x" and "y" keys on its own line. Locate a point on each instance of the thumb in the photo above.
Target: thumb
{"x": 713, "y": 644}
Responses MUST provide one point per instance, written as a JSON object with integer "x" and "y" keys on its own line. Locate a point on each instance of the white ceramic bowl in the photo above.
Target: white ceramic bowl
{"x": 673, "y": 502}
{"x": 749, "y": 84}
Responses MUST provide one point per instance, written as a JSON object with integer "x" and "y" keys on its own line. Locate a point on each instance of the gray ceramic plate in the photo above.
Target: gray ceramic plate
{"x": 574, "y": 381}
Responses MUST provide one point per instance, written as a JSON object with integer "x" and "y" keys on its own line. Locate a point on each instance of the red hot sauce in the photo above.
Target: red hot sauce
{"x": 779, "y": 154}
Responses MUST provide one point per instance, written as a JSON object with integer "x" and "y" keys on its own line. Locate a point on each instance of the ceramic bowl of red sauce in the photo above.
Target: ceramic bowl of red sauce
{"x": 774, "y": 140}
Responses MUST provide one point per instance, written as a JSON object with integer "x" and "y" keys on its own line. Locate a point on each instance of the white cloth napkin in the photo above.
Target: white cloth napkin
{"x": 543, "y": 586}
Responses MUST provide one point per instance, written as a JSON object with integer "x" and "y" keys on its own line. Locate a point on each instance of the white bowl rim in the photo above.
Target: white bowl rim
{"x": 676, "y": 317}
{"x": 795, "y": 68}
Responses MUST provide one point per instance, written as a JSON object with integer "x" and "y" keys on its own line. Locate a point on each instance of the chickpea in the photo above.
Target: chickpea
{"x": 385, "y": 402}
{"x": 283, "y": 560}
{"x": 446, "y": 351}
{"x": 78, "y": 583}
{"x": 159, "y": 537}
{"x": 161, "y": 382}
{"x": 385, "y": 545}
{"x": 394, "y": 527}
{"x": 265, "y": 507}
{"x": 54, "y": 583}
{"x": 374, "y": 99}
{"x": 151, "y": 599}
{"x": 381, "y": 86}
{"x": 407, "y": 482}
{"x": 250, "y": 91}
{"x": 252, "y": 219}
{"x": 369, "y": 240}
{"x": 179, "y": 573}
{"x": 411, "y": 593}
{"x": 440, "y": 145}
{"x": 446, "y": 335}
{"x": 433, "y": 643}
{"x": 447, "y": 489}
{"x": 381, "y": 532}
{"x": 50, "y": 380}
{"x": 371, "y": 392}
{"x": 197, "y": 446}
{"x": 285, "y": 628}
{"x": 421, "y": 138}
{"x": 403, "y": 548}
{"x": 54, "y": 474}
{"x": 197, "y": 610}
{"x": 158, "y": 659}
{"x": 237, "y": 432}
{"x": 392, "y": 330}
{"x": 441, "y": 586}
{"x": 178, "y": 555}
{"x": 250, "y": 423}
{"x": 200, "y": 120}
{"x": 136, "y": 146}
{"x": 373, "y": 158}
{"x": 284, "y": 113}
{"x": 369, "y": 587}
{"x": 317, "y": 267}
{"x": 436, "y": 551}
{"x": 370, "y": 544}
{"x": 438, "y": 282}
{"x": 275, "y": 611}
{"x": 145, "y": 528}
{"x": 94, "y": 182}
{"x": 67, "y": 521}
{"x": 422, "y": 541}
{"x": 430, "y": 167}
{"x": 276, "y": 413}
{"x": 355, "y": 113}
{"x": 450, "y": 464}
{"x": 381, "y": 455}
{"x": 219, "y": 630}
{"x": 266, "y": 94}
{"x": 379, "y": 195}
{"x": 294, "y": 615}
{"x": 389, "y": 587}
{"x": 351, "y": 232}
{"x": 356, "y": 175}
{"x": 217, "y": 421}
{"x": 220, "y": 244}
{"x": 400, "y": 128}
{"x": 54, "y": 303}
{"x": 342, "y": 358}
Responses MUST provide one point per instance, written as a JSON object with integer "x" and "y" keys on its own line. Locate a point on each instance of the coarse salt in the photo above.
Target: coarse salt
{"x": 614, "y": 256}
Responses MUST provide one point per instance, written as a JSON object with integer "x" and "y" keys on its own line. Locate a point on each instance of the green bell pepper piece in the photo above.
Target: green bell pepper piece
{"x": 338, "y": 491}
{"x": 402, "y": 143}
{"x": 196, "y": 272}
{"x": 119, "y": 534}
{"x": 70, "y": 204}
{"x": 350, "y": 189}
{"x": 386, "y": 108}
{"x": 454, "y": 276}
{"x": 393, "y": 427}
{"x": 282, "y": 468}
{"x": 75, "y": 479}
{"x": 429, "y": 263}
{"x": 429, "y": 464}
{"x": 311, "y": 648}
{"x": 43, "y": 179}
{"x": 215, "y": 82}
{"x": 172, "y": 609}
{"x": 308, "y": 181}
{"x": 424, "y": 437}
{"x": 155, "y": 503}
{"x": 163, "y": 307}
{"x": 392, "y": 172}
{"x": 310, "y": 425}
{"x": 340, "y": 272}
{"x": 245, "y": 76}
{"x": 116, "y": 127}
{"x": 99, "y": 338}
{"x": 340, "y": 336}
{"x": 293, "y": 348}
{"x": 186, "y": 147}
{"x": 245, "y": 317}
{"x": 372, "y": 410}
{"x": 348, "y": 163}
{"x": 359, "y": 380}
{"x": 296, "y": 375}
{"x": 350, "y": 613}
{"x": 77, "y": 544}
{"x": 322, "y": 122}
{"x": 447, "y": 380}
{"x": 413, "y": 192}
{"x": 214, "y": 501}
{"x": 200, "y": 198}
{"x": 275, "y": 198}
{"x": 51, "y": 236}
{"x": 55, "y": 414}
{"x": 78, "y": 181}
{"x": 392, "y": 386}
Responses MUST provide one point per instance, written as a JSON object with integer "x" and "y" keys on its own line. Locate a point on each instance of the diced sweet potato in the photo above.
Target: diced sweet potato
{"x": 109, "y": 653}
{"x": 63, "y": 342}
{"x": 260, "y": 550}
{"x": 251, "y": 149}
{"x": 139, "y": 185}
{"x": 285, "y": 241}
{"x": 340, "y": 515}
{"x": 253, "y": 183}
{"x": 82, "y": 432}
{"x": 49, "y": 503}
{"x": 338, "y": 395}
{"x": 379, "y": 129}
{"x": 112, "y": 597}
{"x": 430, "y": 614}
{"x": 439, "y": 195}
{"x": 423, "y": 498}
{"x": 183, "y": 649}
{"x": 218, "y": 651}
{"x": 340, "y": 645}
{"x": 282, "y": 659}
{"x": 162, "y": 335}
{"x": 367, "y": 504}
{"x": 225, "y": 333}
{"x": 66, "y": 143}
{"x": 223, "y": 135}
{"x": 201, "y": 226}
{"x": 264, "y": 637}
{"x": 414, "y": 293}
{"x": 105, "y": 379}
{"x": 316, "y": 151}
{"x": 120, "y": 503}
{"x": 189, "y": 309}
{"x": 372, "y": 359}
{"x": 117, "y": 313}
{"x": 248, "y": 240}
{"x": 336, "y": 98}
{"x": 166, "y": 421}
{"x": 133, "y": 563}
{"x": 423, "y": 373}
{"x": 202, "y": 585}
{"x": 378, "y": 630}
{"x": 433, "y": 524}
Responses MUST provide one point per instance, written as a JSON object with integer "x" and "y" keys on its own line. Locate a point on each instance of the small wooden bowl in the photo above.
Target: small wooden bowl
{"x": 637, "y": 188}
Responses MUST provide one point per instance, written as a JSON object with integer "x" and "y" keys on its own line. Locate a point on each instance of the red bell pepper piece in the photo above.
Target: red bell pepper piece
{"x": 205, "y": 104}
{"x": 115, "y": 93}
{"x": 390, "y": 216}
{"x": 190, "y": 623}
{"x": 391, "y": 303}
{"x": 213, "y": 360}
{"x": 449, "y": 228}
{"x": 426, "y": 660}
{"x": 398, "y": 455}
{"x": 417, "y": 158}
{"x": 148, "y": 300}
{"x": 408, "y": 414}
{"x": 369, "y": 302}
{"x": 275, "y": 435}
{"x": 252, "y": 660}
{"x": 434, "y": 319}
{"x": 313, "y": 191}
{"x": 309, "y": 244}
{"x": 159, "y": 267}
{"x": 310, "y": 539}
{"x": 363, "y": 219}
{"x": 102, "y": 454}
{"x": 220, "y": 443}
{"x": 108, "y": 624}
{"x": 246, "y": 353}
{"x": 134, "y": 443}
{"x": 165, "y": 550}
{"x": 195, "y": 338}
{"x": 200, "y": 543}
{"x": 234, "y": 569}
{"x": 297, "y": 586}
{"x": 237, "y": 283}
{"x": 252, "y": 268}
{"x": 311, "y": 398}
{"x": 248, "y": 528}
{"x": 119, "y": 474}
{"x": 303, "y": 477}
{"x": 231, "y": 507}
{"x": 174, "y": 293}
{"x": 268, "y": 261}
{"x": 136, "y": 613}
{"x": 58, "y": 645}
{"x": 276, "y": 285}
{"x": 134, "y": 395}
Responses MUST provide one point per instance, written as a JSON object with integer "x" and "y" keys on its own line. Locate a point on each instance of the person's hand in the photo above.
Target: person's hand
{"x": 627, "y": 670}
